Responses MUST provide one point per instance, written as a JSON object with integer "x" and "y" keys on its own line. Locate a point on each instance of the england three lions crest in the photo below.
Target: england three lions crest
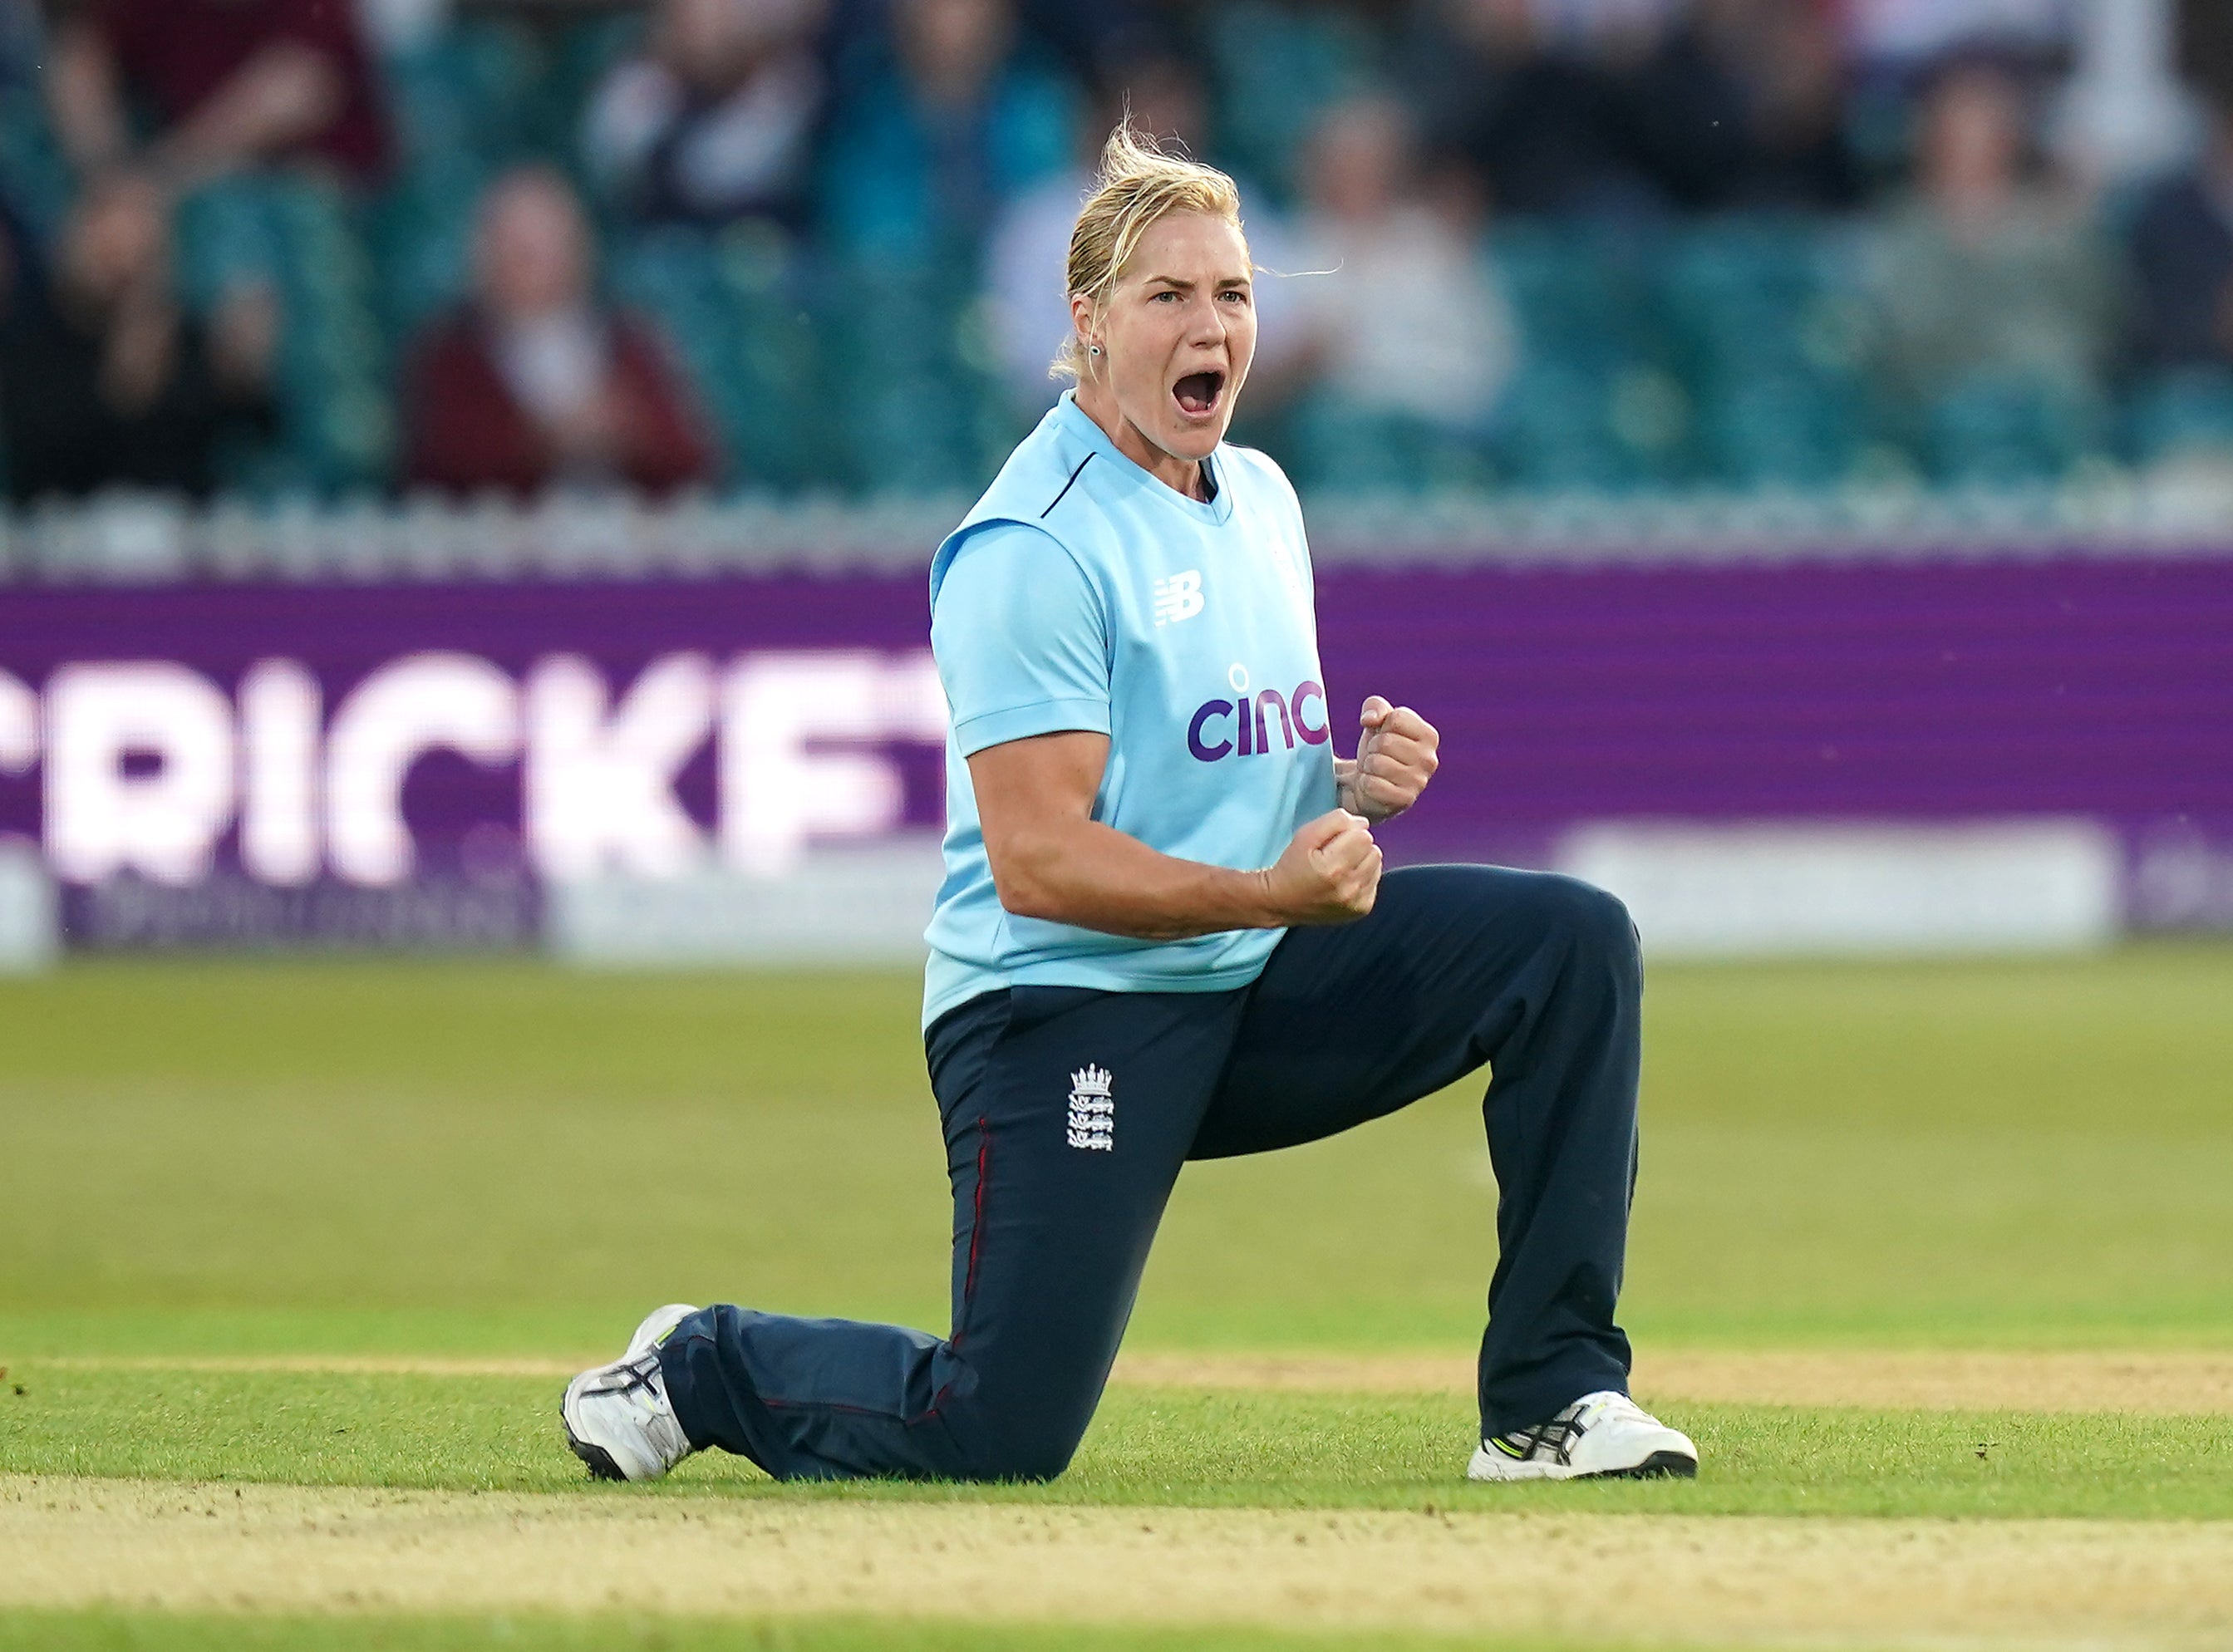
{"x": 1092, "y": 1110}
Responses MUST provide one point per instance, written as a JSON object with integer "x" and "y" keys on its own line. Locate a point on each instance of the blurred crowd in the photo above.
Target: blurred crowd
{"x": 321, "y": 246}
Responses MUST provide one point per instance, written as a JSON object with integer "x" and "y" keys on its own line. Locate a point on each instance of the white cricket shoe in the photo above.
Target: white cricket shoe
{"x": 618, "y": 1417}
{"x": 1601, "y": 1436}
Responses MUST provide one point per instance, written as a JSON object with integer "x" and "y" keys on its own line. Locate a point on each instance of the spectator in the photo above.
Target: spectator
{"x": 19, "y": 257}
{"x": 104, "y": 380}
{"x": 940, "y": 124}
{"x": 1027, "y": 260}
{"x": 1992, "y": 298}
{"x": 532, "y": 384}
{"x": 233, "y": 84}
{"x": 1094, "y": 38}
{"x": 1088, "y": 39}
{"x": 1899, "y": 36}
{"x": 1981, "y": 271}
{"x": 717, "y": 119}
{"x": 1617, "y": 34}
{"x": 2122, "y": 116}
{"x": 20, "y": 53}
{"x": 1405, "y": 325}
{"x": 402, "y": 28}
{"x": 1742, "y": 105}
{"x": 1539, "y": 124}
{"x": 2182, "y": 255}
{"x": 2182, "y": 243}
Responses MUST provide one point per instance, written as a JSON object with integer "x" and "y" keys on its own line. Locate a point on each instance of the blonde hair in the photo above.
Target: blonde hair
{"x": 1138, "y": 182}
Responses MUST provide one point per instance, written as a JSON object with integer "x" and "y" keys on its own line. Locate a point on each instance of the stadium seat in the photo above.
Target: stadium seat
{"x": 1567, "y": 420}
{"x": 1765, "y": 339}
{"x": 1555, "y": 430}
{"x": 1275, "y": 69}
{"x": 2008, "y": 430}
{"x": 1722, "y": 353}
{"x": 460, "y": 106}
{"x": 2180, "y": 414}
{"x": 1340, "y": 448}
{"x": 731, "y": 303}
{"x": 299, "y": 236}
{"x": 910, "y": 378}
{"x": 34, "y": 178}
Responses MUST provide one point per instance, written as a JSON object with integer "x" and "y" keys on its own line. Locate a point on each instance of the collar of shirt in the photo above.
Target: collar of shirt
{"x": 1217, "y": 510}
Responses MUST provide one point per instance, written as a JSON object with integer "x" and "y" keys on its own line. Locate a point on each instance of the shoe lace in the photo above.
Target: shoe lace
{"x": 1555, "y": 1440}
{"x": 1550, "y": 1441}
{"x": 642, "y": 1385}
{"x": 640, "y": 1374}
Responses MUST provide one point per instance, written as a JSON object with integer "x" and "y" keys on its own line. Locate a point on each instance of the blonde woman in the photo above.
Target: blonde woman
{"x": 1164, "y": 934}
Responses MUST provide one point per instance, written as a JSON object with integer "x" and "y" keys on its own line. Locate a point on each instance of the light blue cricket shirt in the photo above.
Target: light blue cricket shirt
{"x": 1084, "y": 594}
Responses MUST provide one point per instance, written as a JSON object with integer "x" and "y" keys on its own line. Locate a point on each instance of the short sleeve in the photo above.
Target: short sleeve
{"x": 1021, "y": 640}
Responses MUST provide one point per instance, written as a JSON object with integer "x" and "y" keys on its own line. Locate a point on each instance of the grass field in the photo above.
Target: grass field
{"x": 1936, "y": 1260}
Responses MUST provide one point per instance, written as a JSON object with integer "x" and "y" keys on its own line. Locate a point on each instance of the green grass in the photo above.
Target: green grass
{"x": 355, "y": 1156}
{"x": 1224, "y": 1450}
{"x": 348, "y": 1155}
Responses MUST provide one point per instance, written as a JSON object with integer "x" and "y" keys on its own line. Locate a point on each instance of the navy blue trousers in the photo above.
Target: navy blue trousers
{"x": 1068, "y": 1112}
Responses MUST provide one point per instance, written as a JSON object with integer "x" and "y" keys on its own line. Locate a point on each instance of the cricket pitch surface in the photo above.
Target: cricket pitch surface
{"x": 266, "y": 1548}
{"x": 1579, "y": 1576}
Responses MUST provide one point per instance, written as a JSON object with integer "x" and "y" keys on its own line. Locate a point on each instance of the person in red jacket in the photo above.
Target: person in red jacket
{"x": 233, "y": 85}
{"x": 533, "y": 384}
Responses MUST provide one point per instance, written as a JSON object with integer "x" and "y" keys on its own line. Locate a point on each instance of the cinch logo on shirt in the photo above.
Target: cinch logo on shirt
{"x": 1243, "y": 726}
{"x": 1178, "y": 597}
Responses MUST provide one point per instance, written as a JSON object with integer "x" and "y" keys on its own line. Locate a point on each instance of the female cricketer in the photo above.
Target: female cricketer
{"x": 1164, "y": 934}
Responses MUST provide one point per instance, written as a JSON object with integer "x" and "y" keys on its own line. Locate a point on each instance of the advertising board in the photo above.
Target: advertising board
{"x": 403, "y": 764}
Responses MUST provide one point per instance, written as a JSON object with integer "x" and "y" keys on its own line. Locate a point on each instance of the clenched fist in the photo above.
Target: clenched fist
{"x": 1395, "y": 756}
{"x": 1329, "y": 874}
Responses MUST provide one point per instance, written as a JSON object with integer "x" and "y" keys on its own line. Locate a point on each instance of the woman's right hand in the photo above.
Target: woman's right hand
{"x": 1328, "y": 873}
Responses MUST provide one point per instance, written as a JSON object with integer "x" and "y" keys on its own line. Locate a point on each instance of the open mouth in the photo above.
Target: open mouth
{"x": 1198, "y": 393}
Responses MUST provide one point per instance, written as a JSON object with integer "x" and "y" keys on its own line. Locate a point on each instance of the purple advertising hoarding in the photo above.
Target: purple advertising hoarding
{"x": 406, "y": 762}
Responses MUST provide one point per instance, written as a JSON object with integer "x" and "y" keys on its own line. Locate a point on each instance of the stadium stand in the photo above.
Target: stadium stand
{"x": 1668, "y": 337}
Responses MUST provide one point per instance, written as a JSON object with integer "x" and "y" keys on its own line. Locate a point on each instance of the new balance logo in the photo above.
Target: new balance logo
{"x": 1178, "y": 597}
{"x": 1092, "y": 1111}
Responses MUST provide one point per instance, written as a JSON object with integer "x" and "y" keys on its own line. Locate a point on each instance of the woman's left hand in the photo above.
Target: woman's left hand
{"x": 1394, "y": 759}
